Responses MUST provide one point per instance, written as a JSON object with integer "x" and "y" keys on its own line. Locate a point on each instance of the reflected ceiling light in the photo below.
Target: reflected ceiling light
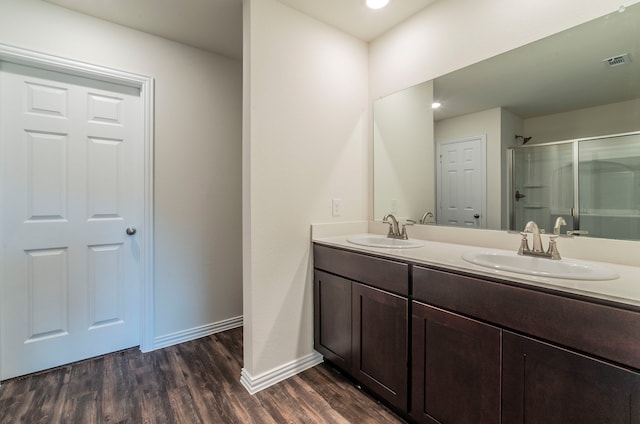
{"x": 435, "y": 105}
{"x": 377, "y": 4}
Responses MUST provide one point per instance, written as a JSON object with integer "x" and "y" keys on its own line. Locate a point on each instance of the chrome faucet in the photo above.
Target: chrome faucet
{"x": 425, "y": 218}
{"x": 552, "y": 250}
{"x": 559, "y": 223}
{"x": 394, "y": 227}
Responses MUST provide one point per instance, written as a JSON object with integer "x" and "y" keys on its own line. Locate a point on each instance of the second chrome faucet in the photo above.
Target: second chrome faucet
{"x": 537, "y": 250}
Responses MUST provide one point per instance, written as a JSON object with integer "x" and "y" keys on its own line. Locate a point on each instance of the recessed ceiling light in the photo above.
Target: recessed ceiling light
{"x": 377, "y": 4}
{"x": 435, "y": 105}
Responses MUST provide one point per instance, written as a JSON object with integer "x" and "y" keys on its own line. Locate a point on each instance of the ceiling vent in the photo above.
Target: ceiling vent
{"x": 621, "y": 59}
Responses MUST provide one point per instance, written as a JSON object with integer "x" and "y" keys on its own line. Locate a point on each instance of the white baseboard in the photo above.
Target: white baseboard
{"x": 196, "y": 332}
{"x": 278, "y": 374}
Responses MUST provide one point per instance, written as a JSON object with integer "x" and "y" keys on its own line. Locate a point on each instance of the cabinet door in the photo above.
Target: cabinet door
{"x": 543, "y": 383}
{"x": 380, "y": 353}
{"x": 332, "y": 318}
{"x": 455, "y": 372}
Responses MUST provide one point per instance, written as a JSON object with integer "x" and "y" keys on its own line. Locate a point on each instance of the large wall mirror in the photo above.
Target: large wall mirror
{"x": 454, "y": 165}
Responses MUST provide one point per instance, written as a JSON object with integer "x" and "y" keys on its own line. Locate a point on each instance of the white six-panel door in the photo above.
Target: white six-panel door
{"x": 461, "y": 182}
{"x": 71, "y": 183}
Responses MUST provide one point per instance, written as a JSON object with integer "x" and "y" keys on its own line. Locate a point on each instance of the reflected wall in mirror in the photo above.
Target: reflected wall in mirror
{"x": 403, "y": 177}
{"x": 579, "y": 83}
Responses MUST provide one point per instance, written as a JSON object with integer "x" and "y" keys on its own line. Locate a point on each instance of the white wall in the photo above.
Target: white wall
{"x": 305, "y": 142}
{"x": 614, "y": 118}
{"x": 403, "y": 154}
{"x": 197, "y": 153}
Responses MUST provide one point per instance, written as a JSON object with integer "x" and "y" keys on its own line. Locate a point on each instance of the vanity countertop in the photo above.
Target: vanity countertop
{"x": 624, "y": 290}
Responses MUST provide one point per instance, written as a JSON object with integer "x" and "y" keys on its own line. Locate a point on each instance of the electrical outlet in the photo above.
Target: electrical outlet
{"x": 336, "y": 207}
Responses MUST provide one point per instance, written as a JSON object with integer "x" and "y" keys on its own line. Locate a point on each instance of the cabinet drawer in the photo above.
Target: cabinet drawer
{"x": 381, "y": 273}
{"x": 601, "y": 330}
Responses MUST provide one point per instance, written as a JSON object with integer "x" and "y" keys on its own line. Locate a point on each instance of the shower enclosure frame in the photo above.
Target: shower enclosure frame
{"x": 511, "y": 174}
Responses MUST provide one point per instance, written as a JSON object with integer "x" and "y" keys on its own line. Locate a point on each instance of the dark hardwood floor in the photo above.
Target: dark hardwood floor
{"x": 193, "y": 382}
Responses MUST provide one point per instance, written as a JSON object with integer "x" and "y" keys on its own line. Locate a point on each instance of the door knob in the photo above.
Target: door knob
{"x": 131, "y": 231}
{"x": 476, "y": 216}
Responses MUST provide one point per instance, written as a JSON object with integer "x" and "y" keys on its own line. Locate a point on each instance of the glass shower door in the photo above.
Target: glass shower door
{"x": 609, "y": 175}
{"x": 542, "y": 185}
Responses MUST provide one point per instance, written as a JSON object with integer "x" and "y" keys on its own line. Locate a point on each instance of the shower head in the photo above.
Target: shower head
{"x": 524, "y": 139}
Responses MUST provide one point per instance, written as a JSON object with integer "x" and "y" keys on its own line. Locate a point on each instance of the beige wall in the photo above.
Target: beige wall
{"x": 197, "y": 153}
{"x": 403, "y": 154}
{"x": 305, "y": 142}
{"x": 608, "y": 119}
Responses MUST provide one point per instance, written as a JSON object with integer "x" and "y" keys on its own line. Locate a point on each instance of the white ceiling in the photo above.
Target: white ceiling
{"x": 216, "y": 25}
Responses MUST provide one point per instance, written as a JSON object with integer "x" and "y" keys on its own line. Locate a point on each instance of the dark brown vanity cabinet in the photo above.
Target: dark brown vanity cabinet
{"x": 361, "y": 319}
{"x": 481, "y": 350}
{"x": 543, "y": 383}
{"x": 455, "y": 368}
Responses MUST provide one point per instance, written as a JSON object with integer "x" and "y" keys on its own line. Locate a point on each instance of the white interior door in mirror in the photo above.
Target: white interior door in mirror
{"x": 72, "y": 182}
{"x": 461, "y": 182}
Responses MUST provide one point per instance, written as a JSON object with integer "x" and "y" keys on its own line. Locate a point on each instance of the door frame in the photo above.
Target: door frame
{"x": 482, "y": 139}
{"x": 146, "y": 86}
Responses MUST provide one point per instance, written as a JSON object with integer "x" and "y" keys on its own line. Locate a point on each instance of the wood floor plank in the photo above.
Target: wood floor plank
{"x": 58, "y": 402}
{"x": 194, "y": 382}
{"x": 150, "y": 410}
{"x": 16, "y": 409}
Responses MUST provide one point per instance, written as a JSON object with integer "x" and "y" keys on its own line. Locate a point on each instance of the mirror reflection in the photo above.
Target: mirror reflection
{"x": 451, "y": 165}
{"x": 593, "y": 184}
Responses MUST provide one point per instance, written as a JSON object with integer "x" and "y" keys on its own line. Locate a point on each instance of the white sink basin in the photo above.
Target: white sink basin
{"x": 373, "y": 240}
{"x": 571, "y": 269}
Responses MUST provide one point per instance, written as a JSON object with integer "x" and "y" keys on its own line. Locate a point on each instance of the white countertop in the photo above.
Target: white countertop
{"x": 623, "y": 290}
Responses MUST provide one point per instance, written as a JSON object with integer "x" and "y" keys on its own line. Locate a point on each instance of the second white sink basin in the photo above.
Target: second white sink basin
{"x": 374, "y": 240}
{"x": 571, "y": 269}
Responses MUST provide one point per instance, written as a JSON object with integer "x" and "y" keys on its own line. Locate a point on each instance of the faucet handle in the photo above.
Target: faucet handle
{"x": 404, "y": 234}
{"x": 577, "y": 232}
{"x": 552, "y": 251}
{"x": 524, "y": 244}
